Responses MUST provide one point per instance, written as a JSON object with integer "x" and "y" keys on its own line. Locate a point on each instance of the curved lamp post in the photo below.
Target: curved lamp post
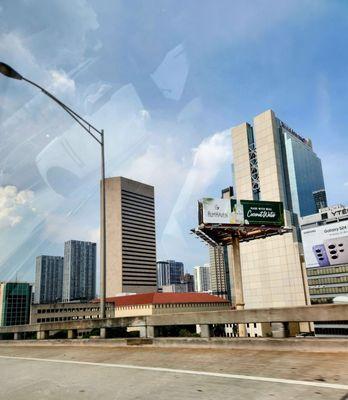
{"x": 98, "y": 136}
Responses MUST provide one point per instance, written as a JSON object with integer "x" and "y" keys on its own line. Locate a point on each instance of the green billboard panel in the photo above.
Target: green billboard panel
{"x": 263, "y": 212}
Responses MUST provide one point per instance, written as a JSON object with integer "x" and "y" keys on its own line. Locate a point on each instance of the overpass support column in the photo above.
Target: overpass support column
{"x": 72, "y": 333}
{"x": 150, "y": 331}
{"x": 147, "y": 331}
{"x": 102, "y": 333}
{"x": 235, "y": 268}
{"x": 279, "y": 329}
{"x": 16, "y": 336}
{"x": 205, "y": 332}
{"x": 41, "y": 335}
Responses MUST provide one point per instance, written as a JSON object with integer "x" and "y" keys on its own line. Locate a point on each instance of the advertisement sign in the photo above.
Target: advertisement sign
{"x": 326, "y": 245}
{"x": 216, "y": 211}
{"x": 243, "y": 212}
{"x": 263, "y": 212}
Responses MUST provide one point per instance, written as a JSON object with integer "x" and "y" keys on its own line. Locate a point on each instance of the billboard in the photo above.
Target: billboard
{"x": 326, "y": 245}
{"x": 241, "y": 212}
{"x": 219, "y": 211}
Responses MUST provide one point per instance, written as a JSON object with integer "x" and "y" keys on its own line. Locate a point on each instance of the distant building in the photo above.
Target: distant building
{"x": 131, "y": 237}
{"x": 202, "y": 278}
{"x": 48, "y": 279}
{"x": 189, "y": 280}
{"x": 320, "y": 199}
{"x": 175, "y": 288}
{"x": 15, "y": 300}
{"x": 219, "y": 272}
{"x": 79, "y": 273}
{"x": 169, "y": 272}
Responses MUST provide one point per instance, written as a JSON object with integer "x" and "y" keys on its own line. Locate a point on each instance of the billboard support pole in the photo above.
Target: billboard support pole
{"x": 234, "y": 259}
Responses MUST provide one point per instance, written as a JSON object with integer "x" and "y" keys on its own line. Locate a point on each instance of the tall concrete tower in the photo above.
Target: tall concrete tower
{"x": 130, "y": 237}
{"x": 272, "y": 162}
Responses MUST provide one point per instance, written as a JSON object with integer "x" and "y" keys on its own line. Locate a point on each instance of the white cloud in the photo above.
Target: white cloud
{"x": 60, "y": 228}
{"x": 61, "y": 82}
{"x": 14, "y": 205}
{"x": 210, "y": 158}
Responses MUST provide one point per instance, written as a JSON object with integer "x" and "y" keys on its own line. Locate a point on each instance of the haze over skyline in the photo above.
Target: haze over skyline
{"x": 166, "y": 91}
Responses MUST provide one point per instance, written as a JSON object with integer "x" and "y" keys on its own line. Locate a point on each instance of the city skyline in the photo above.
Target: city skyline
{"x": 171, "y": 127}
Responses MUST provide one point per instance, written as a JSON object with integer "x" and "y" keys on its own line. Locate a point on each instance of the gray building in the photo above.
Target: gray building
{"x": 79, "y": 273}
{"x": 131, "y": 237}
{"x": 48, "y": 279}
{"x": 169, "y": 272}
{"x": 202, "y": 278}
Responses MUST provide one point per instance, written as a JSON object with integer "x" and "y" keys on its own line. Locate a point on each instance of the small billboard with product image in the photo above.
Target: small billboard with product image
{"x": 326, "y": 245}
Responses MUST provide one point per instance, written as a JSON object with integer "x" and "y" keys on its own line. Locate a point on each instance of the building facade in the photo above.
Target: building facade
{"x": 320, "y": 200}
{"x": 131, "y": 237}
{"x": 175, "y": 288}
{"x": 15, "y": 300}
{"x": 202, "y": 278}
{"x": 48, "y": 279}
{"x": 166, "y": 303}
{"x": 272, "y": 162}
{"x": 324, "y": 239}
{"x": 189, "y": 280}
{"x": 169, "y": 272}
{"x": 57, "y": 312}
{"x": 79, "y": 272}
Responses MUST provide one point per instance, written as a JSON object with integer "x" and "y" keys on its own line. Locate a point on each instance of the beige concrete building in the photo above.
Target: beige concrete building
{"x": 274, "y": 163}
{"x": 131, "y": 237}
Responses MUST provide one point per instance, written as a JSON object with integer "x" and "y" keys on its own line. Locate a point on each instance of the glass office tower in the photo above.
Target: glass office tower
{"x": 303, "y": 172}
{"x": 15, "y": 300}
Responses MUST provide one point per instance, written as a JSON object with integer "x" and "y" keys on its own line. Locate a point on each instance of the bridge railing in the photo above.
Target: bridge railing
{"x": 277, "y": 317}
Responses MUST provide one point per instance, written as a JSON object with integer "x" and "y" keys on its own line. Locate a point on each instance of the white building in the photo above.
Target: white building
{"x": 202, "y": 278}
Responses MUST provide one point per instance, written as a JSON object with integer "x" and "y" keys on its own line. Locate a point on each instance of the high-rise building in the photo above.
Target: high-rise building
{"x": 169, "y": 272}
{"x": 325, "y": 243}
{"x": 48, "y": 279}
{"x": 320, "y": 199}
{"x": 15, "y": 300}
{"x": 272, "y": 162}
{"x": 202, "y": 278}
{"x": 189, "y": 280}
{"x": 130, "y": 237}
{"x": 79, "y": 272}
{"x": 219, "y": 272}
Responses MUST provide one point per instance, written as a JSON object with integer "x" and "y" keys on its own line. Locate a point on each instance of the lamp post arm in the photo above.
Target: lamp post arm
{"x": 81, "y": 121}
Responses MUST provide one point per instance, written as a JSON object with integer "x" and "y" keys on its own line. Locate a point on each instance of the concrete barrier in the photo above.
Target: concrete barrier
{"x": 308, "y": 344}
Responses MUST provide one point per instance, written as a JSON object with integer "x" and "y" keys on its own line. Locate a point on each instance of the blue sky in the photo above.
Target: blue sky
{"x": 166, "y": 80}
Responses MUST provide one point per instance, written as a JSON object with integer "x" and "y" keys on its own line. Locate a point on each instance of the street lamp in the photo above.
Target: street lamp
{"x": 98, "y": 136}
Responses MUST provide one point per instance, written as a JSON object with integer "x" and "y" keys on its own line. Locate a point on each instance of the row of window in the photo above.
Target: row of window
{"x": 329, "y": 290}
{"x": 327, "y": 271}
{"x": 64, "y": 310}
{"x": 174, "y": 305}
{"x": 328, "y": 280}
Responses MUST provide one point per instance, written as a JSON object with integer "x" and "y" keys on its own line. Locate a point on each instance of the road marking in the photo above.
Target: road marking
{"x": 188, "y": 372}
